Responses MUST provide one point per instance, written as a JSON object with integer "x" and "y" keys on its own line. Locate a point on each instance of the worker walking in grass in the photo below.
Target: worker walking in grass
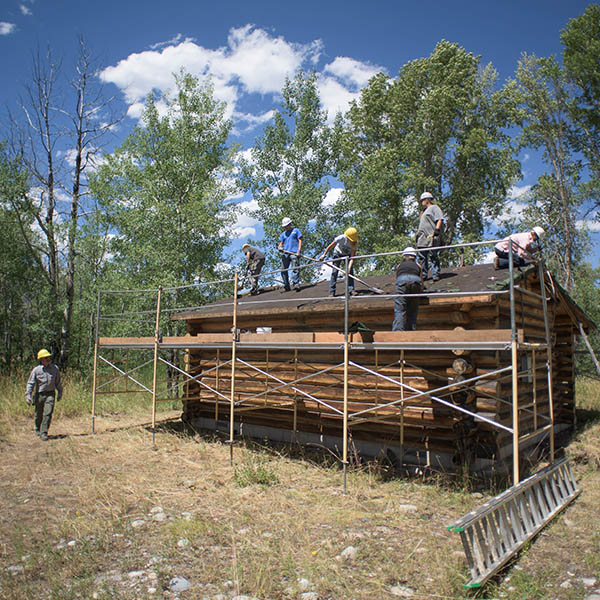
{"x": 290, "y": 243}
{"x": 429, "y": 236}
{"x": 409, "y": 280}
{"x": 525, "y": 244}
{"x": 343, "y": 245}
{"x": 255, "y": 261}
{"x": 42, "y": 385}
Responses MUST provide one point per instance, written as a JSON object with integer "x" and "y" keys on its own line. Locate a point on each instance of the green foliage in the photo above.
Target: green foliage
{"x": 255, "y": 470}
{"x": 162, "y": 191}
{"x": 581, "y": 58}
{"x": 25, "y": 313}
{"x": 290, "y": 166}
{"x": 439, "y": 126}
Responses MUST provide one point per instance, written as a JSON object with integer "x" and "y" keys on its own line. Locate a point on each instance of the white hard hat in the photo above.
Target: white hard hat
{"x": 409, "y": 251}
{"x": 245, "y": 246}
{"x": 286, "y": 221}
{"x": 426, "y": 195}
{"x": 538, "y": 231}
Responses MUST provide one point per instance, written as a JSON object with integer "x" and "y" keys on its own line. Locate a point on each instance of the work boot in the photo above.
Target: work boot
{"x": 44, "y": 437}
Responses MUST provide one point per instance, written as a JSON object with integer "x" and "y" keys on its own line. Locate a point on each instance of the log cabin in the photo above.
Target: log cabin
{"x": 479, "y": 385}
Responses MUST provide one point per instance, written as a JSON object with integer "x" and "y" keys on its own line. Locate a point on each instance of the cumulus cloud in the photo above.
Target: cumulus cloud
{"x": 7, "y": 28}
{"x": 352, "y": 72}
{"x": 25, "y": 9}
{"x": 334, "y": 96}
{"x": 246, "y": 224}
{"x": 253, "y": 61}
{"x": 332, "y": 196}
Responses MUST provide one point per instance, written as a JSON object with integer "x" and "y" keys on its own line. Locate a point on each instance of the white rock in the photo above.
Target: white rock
{"x": 588, "y": 581}
{"x": 15, "y": 569}
{"x": 71, "y": 543}
{"x": 179, "y": 584}
{"x": 25, "y": 557}
{"x": 267, "y": 534}
{"x": 187, "y": 516}
{"x": 152, "y": 576}
{"x": 406, "y": 508}
{"x": 138, "y": 523}
{"x": 151, "y": 590}
{"x": 159, "y": 517}
{"x": 183, "y": 543}
{"x": 303, "y": 584}
{"x": 565, "y": 585}
{"x": 309, "y": 596}
{"x": 348, "y": 553}
{"x": 402, "y": 591}
{"x": 594, "y": 596}
{"x": 156, "y": 509}
{"x": 135, "y": 574}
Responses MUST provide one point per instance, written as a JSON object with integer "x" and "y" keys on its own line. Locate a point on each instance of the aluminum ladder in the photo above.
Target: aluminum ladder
{"x": 492, "y": 534}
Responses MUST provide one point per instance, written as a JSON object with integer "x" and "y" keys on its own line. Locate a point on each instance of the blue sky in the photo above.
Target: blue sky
{"x": 250, "y": 47}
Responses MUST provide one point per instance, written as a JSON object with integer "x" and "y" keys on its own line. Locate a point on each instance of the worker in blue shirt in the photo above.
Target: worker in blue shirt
{"x": 290, "y": 244}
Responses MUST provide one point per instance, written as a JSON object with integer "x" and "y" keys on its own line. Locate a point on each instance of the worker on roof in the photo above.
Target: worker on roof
{"x": 290, "y": 244}
{"x": 409, "y": 280}
{"x": 343, "y": 245}
{"x": 43, "y": 383}
{"x": 429, "y": 236}
{"x": 255, "y": 261}
{"x": 524, "y": 245}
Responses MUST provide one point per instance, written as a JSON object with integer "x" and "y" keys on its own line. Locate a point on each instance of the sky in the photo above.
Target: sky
{"x": 249, "y": 48}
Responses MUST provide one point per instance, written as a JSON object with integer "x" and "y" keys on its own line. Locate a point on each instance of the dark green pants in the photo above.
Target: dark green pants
{"x": 44, "y": 406}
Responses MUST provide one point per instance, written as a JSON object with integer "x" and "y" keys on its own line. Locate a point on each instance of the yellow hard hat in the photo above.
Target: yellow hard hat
{"x": 351, "y": 234}
{"x": 43, "y": 353}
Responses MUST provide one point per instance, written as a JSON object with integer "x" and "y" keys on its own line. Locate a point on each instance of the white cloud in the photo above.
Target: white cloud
{"x": 246, "y": 224}
{"x": 251, "y": 120}
{"x": 352, "y": 72}
{"x": 252, "y": 62}
{"x": 25, "y": 9}
{"x": 260, "y": 61}
{"x": 589, "y": 225}
{"x": 332, "y": 196}
{"x": 174, "y": 40}
{"x": 518, "y": 191}
{"x": 334, "y": 96}
{"x": 7, "y": 28}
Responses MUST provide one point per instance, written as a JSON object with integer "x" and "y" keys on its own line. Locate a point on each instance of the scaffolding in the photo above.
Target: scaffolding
{"x": 235, "y": 342}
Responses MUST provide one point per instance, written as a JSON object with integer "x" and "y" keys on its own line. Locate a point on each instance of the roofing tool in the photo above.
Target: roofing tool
{"x": 334, "y": 266}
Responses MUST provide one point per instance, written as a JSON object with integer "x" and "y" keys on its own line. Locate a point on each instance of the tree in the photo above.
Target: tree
{"x": 291, "y": 163}
{"x": 546, "y": 125}
{"x": 439, "y": 126}
{"x": 23, "y": 312}
{"x": 58, "y": 140}
{"x": 581, "y": 59}
{"x": 162, "y": 192}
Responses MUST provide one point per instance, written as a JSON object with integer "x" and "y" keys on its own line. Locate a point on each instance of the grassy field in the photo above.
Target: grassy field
{"x": 112, "y": 516}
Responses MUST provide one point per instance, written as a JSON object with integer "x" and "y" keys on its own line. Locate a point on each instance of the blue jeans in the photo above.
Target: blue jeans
{"x": 405, "y": 307}
{"x": 294, "y": 260}
{"x": 429, "y": 257}
{"x": 339, "y": 262}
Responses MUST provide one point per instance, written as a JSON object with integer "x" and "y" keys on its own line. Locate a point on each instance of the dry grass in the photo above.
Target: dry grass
{"x": 258, "y": 528}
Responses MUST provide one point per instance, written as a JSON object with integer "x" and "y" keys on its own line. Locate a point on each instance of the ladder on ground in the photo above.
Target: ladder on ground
{"x": 496, "y": 531}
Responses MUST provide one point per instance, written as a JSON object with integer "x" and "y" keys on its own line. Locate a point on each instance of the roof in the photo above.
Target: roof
{"x": 470, "y": 278}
